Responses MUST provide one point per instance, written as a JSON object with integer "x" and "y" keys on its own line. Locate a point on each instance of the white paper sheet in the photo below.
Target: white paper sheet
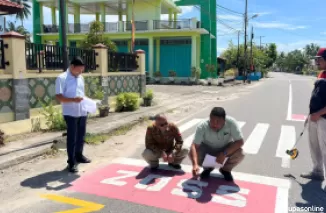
{"x": 210, "y": 161}
{"x": 89, "y": 105}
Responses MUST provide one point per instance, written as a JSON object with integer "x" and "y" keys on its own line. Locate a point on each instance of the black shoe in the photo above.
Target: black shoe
{"x": 227, "y": 175}
{"x": 175, "y": 166}
{"x": 206, "y": 173}
{"x": 73, "y": 168}
{"x": 82, "y": 159}
{"x": 154, "y": 168}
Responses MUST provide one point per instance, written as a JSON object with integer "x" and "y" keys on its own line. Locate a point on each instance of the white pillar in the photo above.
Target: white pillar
{"x": 194, "y": 51}
{"x": 151, "y": 56}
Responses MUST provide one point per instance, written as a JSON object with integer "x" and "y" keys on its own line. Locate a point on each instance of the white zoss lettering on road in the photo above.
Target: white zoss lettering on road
{"x": 117, "y": 180}
{"x": 162, "y": 181}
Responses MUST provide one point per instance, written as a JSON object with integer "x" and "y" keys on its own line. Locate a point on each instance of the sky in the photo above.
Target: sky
{"x": 290, "y": 24}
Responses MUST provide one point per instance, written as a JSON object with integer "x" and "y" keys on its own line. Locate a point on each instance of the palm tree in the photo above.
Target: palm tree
{"x": 25, "y": 12}
{"x": 19, "y": 29}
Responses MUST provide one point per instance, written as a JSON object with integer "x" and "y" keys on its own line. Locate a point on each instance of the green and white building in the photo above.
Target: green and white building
{"x": 170, "y": 45}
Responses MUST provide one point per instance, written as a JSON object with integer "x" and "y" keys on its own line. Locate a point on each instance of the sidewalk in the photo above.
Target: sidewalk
{"x": 20, "y": 151}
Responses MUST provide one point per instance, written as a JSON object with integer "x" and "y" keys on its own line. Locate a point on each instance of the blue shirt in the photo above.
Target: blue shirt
{"x": 318, "y": 97}
{"x": 71, "y": 87}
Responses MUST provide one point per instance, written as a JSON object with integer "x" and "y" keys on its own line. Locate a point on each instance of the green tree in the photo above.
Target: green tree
{"x": 25, "y": 12}
{"x": 96, "y": 36}
{"x": 311, "y": 49}
{"x": 262, "y": 58}
{"x": 19, "y": 29}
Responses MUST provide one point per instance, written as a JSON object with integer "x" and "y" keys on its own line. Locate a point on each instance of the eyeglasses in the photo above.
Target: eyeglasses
{"x": 163, "y": 124}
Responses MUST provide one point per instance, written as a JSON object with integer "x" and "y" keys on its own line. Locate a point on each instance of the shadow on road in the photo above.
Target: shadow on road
{"x": 314, "y": 195}
{"x": 55, "y": 180}
{"x": 200, "y": 190}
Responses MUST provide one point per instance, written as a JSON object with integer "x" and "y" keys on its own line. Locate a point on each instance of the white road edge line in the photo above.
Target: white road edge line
{"x": 289, "y": 115}
{"x": 256, "y": 138}
{"x": 286, "y": 141}
{"x": 271, "y": 181}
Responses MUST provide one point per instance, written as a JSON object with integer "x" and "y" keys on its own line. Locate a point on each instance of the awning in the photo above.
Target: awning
{"x": 8, "y": 7}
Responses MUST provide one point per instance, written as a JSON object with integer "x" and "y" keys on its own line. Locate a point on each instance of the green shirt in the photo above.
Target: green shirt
{"x": 217, "y": 139}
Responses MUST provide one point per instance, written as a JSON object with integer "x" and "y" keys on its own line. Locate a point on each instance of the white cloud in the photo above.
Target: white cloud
{"x": 185, "y": 10}
{"x": 287, "y": 47}
{"x": 277, "y": 25}
{"x": 323, "y": 33}
{"x": 230, "y": 17}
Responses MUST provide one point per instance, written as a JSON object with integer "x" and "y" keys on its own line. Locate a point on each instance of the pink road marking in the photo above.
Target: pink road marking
{"x": 299, "y": 117}
{"x": 252, "y": 197}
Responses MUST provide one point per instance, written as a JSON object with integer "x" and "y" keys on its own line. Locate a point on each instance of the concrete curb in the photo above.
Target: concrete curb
{"x": 132, "y": 119}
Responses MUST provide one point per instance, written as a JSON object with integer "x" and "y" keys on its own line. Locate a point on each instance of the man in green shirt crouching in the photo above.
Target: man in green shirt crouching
{"x": 221, "y": 137}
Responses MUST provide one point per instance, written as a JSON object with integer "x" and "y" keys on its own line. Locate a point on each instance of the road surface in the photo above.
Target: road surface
{"x": 271, "y": 115}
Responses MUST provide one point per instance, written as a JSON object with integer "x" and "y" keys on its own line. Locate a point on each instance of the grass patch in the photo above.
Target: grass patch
{"x": 95, "y": 139}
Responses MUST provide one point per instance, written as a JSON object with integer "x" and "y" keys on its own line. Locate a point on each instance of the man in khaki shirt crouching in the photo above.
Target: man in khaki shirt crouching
{"x": 163, "y": 140}
{"x": 218, "y": 136}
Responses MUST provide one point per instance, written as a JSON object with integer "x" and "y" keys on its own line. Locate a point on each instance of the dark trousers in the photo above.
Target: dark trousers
{"x": 76, "y": 130}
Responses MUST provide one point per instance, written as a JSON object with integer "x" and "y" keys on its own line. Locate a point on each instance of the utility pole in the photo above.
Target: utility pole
{"x": 260, "y": 40}
{"x": 251, "y": 55}
{"x": 245, "y": 43}
{"x": 133, "y": 28}
{"x": 63, "y": 21}
{"x": 238, "y": 49}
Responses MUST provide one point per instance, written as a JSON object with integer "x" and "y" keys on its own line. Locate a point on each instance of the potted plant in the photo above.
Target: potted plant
{"x": 172, "y": 75}
{"x": 195, "y": 74}
{"x": 210, "y": 68}
{"x": 148, "y": 98}
{"x": 104, "y": 109}
{"x": 157, "y": 76}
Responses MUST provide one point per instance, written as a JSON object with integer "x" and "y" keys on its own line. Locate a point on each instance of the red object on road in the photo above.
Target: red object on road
{"x": 177, "y": 191}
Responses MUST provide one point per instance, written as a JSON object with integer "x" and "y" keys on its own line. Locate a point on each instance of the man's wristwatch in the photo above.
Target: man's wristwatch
{"x": 225, "y": 153}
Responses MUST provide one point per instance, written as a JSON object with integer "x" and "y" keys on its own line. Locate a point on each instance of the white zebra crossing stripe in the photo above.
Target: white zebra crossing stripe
{"x": 256, "y": 138}
{"x": 241, "y": 124}
{"x": 188, "y": 141}
{"x": 286, "y": 141}
{"x": 189, "y": 124}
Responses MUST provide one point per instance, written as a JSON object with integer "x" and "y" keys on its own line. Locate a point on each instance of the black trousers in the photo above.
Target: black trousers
{"x": 76, "y": 130}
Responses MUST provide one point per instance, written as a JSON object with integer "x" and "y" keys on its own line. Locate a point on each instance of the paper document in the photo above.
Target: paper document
{"x": 89, "y": 105}
{"x": 210, "y": 161}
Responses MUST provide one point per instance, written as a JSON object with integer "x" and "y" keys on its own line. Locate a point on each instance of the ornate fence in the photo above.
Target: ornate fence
{"x": 122, "y": 62}
{"x": 49, "y": 57}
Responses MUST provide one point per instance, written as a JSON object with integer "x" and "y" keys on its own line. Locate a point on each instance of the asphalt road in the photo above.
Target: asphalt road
{"x": 270, "y": 124}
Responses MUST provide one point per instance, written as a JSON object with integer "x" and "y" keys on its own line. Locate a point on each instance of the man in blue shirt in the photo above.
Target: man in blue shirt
{"x": 70, "y": 90}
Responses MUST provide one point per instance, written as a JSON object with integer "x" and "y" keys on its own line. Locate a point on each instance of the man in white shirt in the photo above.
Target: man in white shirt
{"x": 70, "y": 90}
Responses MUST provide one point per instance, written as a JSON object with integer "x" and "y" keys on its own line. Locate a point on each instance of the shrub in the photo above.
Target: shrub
{"x": 53, "y": 117}
{"x": 149, "y": 94}
{"x": 229, "y": 72}
{"x": 127, "y": 102}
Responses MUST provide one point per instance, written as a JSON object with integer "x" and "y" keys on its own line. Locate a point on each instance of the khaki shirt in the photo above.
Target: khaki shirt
{"x": 168, "y": 141}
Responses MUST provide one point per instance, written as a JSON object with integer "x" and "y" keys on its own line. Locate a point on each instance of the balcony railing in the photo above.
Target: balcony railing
{"x": 166, "y": 24}
{"x": 126, "y": 26}
{"x": 139, "y": 25}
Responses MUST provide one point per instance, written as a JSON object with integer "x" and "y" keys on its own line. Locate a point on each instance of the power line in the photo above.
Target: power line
{"x": 233, "y": 11}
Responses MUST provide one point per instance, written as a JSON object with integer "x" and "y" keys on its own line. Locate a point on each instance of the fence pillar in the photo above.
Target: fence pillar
{"x": 141, "y": 68}
{"x": 15, "y": 60}
{"x": 101, "y": 52}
